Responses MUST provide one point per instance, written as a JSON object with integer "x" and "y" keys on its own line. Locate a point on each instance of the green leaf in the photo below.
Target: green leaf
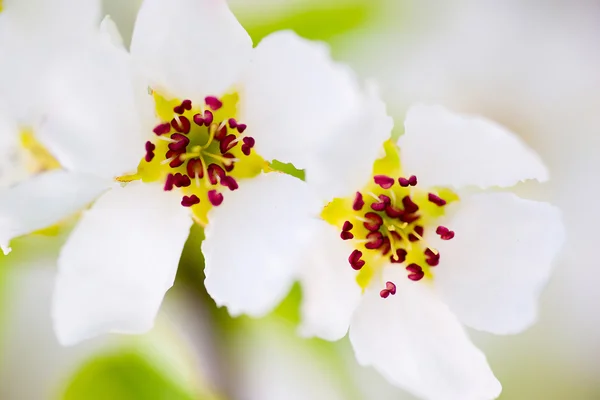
{"x": 123, "y": 376}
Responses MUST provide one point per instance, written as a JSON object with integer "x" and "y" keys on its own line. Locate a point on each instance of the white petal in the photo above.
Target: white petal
{"x": 492, "y": 272}
{"x": 446, "y": 149}
{"x": 13, "y": 166}
{"x": 344, "y": 162}
{"x": 118, "y": 263}
{"x": 254, "y": 241}
{"x": 414, "y": 340}
{"x": 44, "y": 200}
{"x": 190, "y": 48}
{"x": 295, "y": 97}
{"x": 111, "y": 31}
{"x": 330, "y": 293}
{"x": 93, "y": 123}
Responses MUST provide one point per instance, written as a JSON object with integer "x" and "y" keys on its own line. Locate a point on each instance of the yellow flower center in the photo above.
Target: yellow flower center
{"x": 200, "y": 150}
{"x": 387, "y": 219}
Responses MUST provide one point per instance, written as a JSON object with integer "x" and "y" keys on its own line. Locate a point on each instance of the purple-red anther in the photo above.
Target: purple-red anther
{"x": 150, "y": 147}
{"x": 188, "y": 201}
{"x": 249, "y": 143}
{"x": 229, "y": 183}
{"x": 228, "y": 165}
{"x": 194, "y": 168}
{"x": 374, "y": 221}
{"x": 162, "y": 129}
{"x": 185, "y": 105}
{"x": 169, "y": 183}
{"x": 416, "y": 272}
{"x": 432, "y": 258}
{"x": 232, "y": 123}
{"x": 355, "y": 261}
{"x": 419, "y": 231}
{"x": 213, "y": 102}
{"x": 358, "y": 203}
{"x": 436, "y": 200}
{"x": 400, "y": 256}
{"x": 181, "y": 124}
{"x": 215, "y": 198}
{"x": 346, "y": 234}
{"x": 445, "y": 233}
{"x": 390, "y": 288}
{"x": 409, "y": 205}
{"x": 375, "y": 240}
{"x": 386, "y": 246}
{"x": 393, "y": 212}
{"x": 177, "y": 161}
{"x": 347, "y": 226}
{"x": 215, "y": 171}
{"x": 205, "y": 119}
{"x": 227, "y": 143}
{"x": 221, "y": 133}
{"x": 412, "y": 181}
{"x": 241, "y": 128}
{"x": 180, "y": 144}
{"x": 384, "y": 201}
{"x": 180, "y": 180}
{"x": 384, "y": 181}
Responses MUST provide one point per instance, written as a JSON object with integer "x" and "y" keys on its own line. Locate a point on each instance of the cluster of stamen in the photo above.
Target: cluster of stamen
{"x": 392, "y": 228}
{"x": 199, "y": 151}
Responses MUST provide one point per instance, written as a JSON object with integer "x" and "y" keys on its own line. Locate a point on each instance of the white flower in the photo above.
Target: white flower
{"x": 219, "y": 110}
{"x": 416, "y": 248}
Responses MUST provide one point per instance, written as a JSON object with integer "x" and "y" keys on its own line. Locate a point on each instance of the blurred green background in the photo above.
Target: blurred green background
{"x": 531, "y": 65}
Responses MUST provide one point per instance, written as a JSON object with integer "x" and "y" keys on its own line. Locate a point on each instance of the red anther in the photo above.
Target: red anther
{"x": 445, "y": 233}
{"x": 188, "y": 201}
{"x": 229, "y": 183}
{"x": 215, "y": 198}
{"x": 180, "y": 144}
{"x": 400, "y": 256}
{"x": 390, "y": 288}
{"x": 186, "y": 104}
{"x": 249, "y": 143}
{"x": 215, "y": 171}
{"x": 208, "y": 117}
{"x": 409, "y": 218}
{"x": 241, "y": 128}
{"x": 386, "y": 246}
{"x": 232, "y": 123}
{"x": 346, "y": 235}
{"x": 213, "y": 102}
{"x": 374, "y": 221}
{"x": 194, "y": 168}
{"x": 355, "y": 261}
{"x": 403, "y": 182}
{"x": 227, "y": 143}
{"x": 393, "y": 212}
{"x": 177, "y": 161}
{"x": 246, "y": 150}
{"x": 347, "y": 226}
{"x": 409, "y": 205}
{"x": 375, "y": 240}
{"x": 228, "y": 165}
{"x": 162, "y": 129}
{"x": 358, "y": 203}
{"x": 199, "y": 120}
{"x": 384, "y": 181}
{"x": 180, "y": 180}
{"x": 436, "y": 200}
{"x": 150, "y": 147}
{"x": 412, "y": 181}
{"x": 384, "y": 201}
{"x": 169, "y": 183}
{"x": 432, "y": 258}
{"x": 221, "y": 133}
{"x": 181, "y": 124}
{"x": 419, "y": 231}
{"x": 416, "y": 272}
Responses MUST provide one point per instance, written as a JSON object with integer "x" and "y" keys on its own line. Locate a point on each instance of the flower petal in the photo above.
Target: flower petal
{"x": 254, "y": 242}
{"x": 44, "y": 200}
{"x": 493, "y": 270}
{"x": 413, "y": 339}
{"x": 344, "y": 163}
{"x": 330, "y": 293}
{"x": 94, "y": 121}
{"x": 295, "y": 97}
{"x": 13, "y": 167}
{"x": 118, "y": 263}
{"x": 190, "y": 48}
{"x": 446, "y": 149}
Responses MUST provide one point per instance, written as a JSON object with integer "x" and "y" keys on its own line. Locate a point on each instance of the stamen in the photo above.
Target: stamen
{"x": 400, "y": 256}
{"x": 179, "y": 143}
{"x": 241, "y": 128}
{"x": 390, "y": 288}
{"x": 249, "y": 143}
{"x": 417, "y": 234}
{"x": 373, "y": 221}
{"x": 445, "y": 233}
{"x": 355, "y": 261}
{"x": 416, "y": 272}
{"x": 436, "y": 200}
{"x": 174, "y": 159}
{"x": 194, "y": 168}
{"x": 412, "y": 181}
{"x": 232, "y": 123}
{"x": 358, "y": 202}
{"x": 213, "y": 102}
{"x": 169, "y": 183}
{"x": 383, "y": 202}
{"x": 346, "y": 235}
{"x": 409, "y": 205}
{"x": 181, "y": 124}
{"x": 150, "y": 147}
{"x": 393, "y": 212}
{"x": 375, "y": 240}
{"x": 162, "y": 129}
{"x": 384, "y": 181}
{"x": 226, "y": 144}
{"x": 432, "y": 258}
{"x": 215, "y": 170}
{"x": 188, "y": 201}
{"x": 215, "y": 198}
{"x": 180, "y": 180}
{"x": 229, "y": 182}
